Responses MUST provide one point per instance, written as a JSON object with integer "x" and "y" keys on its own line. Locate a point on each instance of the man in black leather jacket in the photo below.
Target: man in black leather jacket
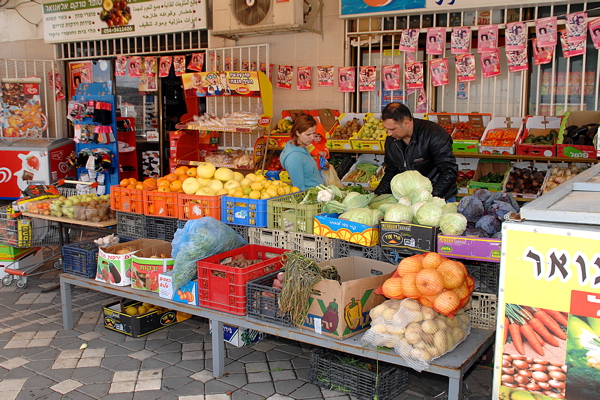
{"x": 416, "y": 144}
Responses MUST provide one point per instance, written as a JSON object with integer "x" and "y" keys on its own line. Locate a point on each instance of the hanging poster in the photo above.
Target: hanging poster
{"x": 516, "y": 36}
{"x": 517, "y": 60}
{"x": 346, "y": 79}
{"x": 487, "y": 38}
{"x": 284, "y": 76}
{"x": 248, "y": 65}
{"x": 22, "y": 107}
{"x": 268, "y": 72}
{"x": 325, "y": 75}
{"x": 436, "y": 40}
{"x": 56, "y": 83}
{"x": 546, "y": 31}
{"x": 165, "y": 66}
{"x": 304, "y": 78}
{"x": 230, "y": 64}
{"x": 80, "y": 72}
{"x": 541, "y": 55}
{"x": 391, "y": 77}
{"x": 421, "y": 102}
{"x": 594, "y": 28}
{"x": 414, "y": 75}
{"x": 366, "y": 79}
{"x": 465, "y": 67}
{"x": 439, "y": 71}
{"x": 409, "y": 40}
{"x": 221, "y": 83}
{"x": 135, "y": 66}
{"x": 148, "y": 79}
{"x": 576, "y": 26}
{"x": 179, "y": 65}
{"x": 214, "y": 61}
{"x": 196, "y": 62}
{"x": 571, "y": 49}
{"x": 549, "y": 279}
{"x": 460, "y": 40}
{"x": 490, "y": 62}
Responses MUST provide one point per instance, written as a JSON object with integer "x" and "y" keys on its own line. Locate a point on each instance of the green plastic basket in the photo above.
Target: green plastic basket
{"x": 287, "y": 214}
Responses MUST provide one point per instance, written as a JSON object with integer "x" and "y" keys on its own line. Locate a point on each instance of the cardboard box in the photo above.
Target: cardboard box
{"x": 145, "y": 269}
{"x": 538, "y": 126}
{"x": 337, "y": 144}
{"x": 469, "y": 248}
{"x": 368, "y": 144}
{"x": 413, "y": 237}
{"x": 466, "y": 165}
{"x": 342, "y": 311}
{"x": 187, "y": 294}
{"x": 9, "y": 253}
{"x": 329, "y": 225}
{"x": 578, "y": 118}
{"x": 485, "y": 167}
{"x": 239, "y": 337}
{"x": 501, "y": 123}
{"x": 373, "y": 159}
{"x": 527, "y": 164}
{"x": 115, "y": 268}
{"x": 328, "y": 117}
{"x": 479, "y": 122}
{"x": 117, "y": 320}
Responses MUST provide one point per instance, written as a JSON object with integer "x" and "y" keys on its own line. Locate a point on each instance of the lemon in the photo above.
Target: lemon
{"x": 258, "y": 186}
{"x": 272, "y": 191}
{"x": 294, "y": 189}
{"x": 142, "y": 310}
{"x": 247, "y": 191}
{"x": 277, "y": 183}
{"x": 131, "y": 311}
{"x": 287, "y": 188}
{"x": 251, "y": 176}
{"x": 254, "y": 194}
{"x": 238, "y": 193}
{"x": 146, "y": 305}
{"x": 281, "y": 191}
{"x": 265, "y": 195}
{"x": 260, "y": 178}
{"x": 267, "y": 184}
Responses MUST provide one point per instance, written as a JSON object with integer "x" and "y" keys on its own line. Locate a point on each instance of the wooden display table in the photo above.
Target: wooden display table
{"x": 101, "y": 224}
{"x": 453, "y": 365}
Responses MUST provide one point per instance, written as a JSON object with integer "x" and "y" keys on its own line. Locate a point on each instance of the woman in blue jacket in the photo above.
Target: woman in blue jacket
{"x": 295, "y": 157}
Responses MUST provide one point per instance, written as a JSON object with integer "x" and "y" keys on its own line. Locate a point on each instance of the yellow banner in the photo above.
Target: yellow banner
{"x": 221, "y": 83}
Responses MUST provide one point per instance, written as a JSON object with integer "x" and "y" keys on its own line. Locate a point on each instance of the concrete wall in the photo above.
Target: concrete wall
{"x": 21, "y": 32}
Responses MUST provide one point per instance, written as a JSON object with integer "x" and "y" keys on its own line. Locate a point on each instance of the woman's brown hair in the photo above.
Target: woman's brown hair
{"x": 302, "y": 123}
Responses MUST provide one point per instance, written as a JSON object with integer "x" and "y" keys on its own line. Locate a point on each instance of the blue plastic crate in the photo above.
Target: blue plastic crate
{"x": 81, "y": 258}
{"x": 241, "y": 211}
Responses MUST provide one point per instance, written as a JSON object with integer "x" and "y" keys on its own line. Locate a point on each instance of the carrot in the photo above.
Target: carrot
{"x": 540, "y": 340}
{"x": 539, "y": 327}
{"x": 558, "y": 317}
{"x": 529, "y": 334}
{"x": 550, "y": 323}
{"x": 515, "y": 334}
{"x": 506, "y": 324}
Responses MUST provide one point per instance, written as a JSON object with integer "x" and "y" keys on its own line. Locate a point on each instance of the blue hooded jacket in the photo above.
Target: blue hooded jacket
{"x": 301, "y": 166}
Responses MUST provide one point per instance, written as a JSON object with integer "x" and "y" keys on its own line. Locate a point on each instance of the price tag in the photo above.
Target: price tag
{"x": 318, "y": 325}
{"x": 152, "y": 136}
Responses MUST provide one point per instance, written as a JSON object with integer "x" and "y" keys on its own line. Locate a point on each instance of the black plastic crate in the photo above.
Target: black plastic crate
{"x": 160, "y": 228}
{"x": 241, "y": 229}
{"x": 394, "y": 256}
{"x": 485, "y": 274}
{"x": 361, "y": 377}
{"x": 260, "y": 304}
{"x": 132, "y": 225}
{"x": 341, "y": 248}
{"x": 81, "y": 258}
{"x": 181, "y": 223}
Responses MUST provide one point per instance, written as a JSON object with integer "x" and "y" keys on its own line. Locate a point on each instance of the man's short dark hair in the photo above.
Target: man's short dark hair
{"x": 396, "y": 111}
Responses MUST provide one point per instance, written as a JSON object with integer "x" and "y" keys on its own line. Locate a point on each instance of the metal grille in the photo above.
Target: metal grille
{"x": 167, "y": 43}
{"x": 50, "y": 107}
{"x": 551, "y": 89}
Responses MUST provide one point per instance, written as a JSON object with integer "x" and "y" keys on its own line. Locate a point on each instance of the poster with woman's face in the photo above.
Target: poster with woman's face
{"x": 439, "y": 71}
{"x": 409, "y": 40}
{"x": 487, "y": 38}
{"x": 325, "y": 75}
{"x": 284, "y": 76}
{"x": 460, "y": 40}
{"x": 436, "y": 40}
{"x": 120, "y": 65}
{"x": 546, "y": 31}
{"x": 179, "y": 65}
{"x": 414, "y": 75}
{"x": 164, "y": 66}
{"x": 516, "y": 36}
{"x": 196, "y": 62}
{"x": 391, "y": 77}
{"x": 304, "y": 78}
{"x": 465, "y": 68}
{"x": 135, "y": 66}
{"x": 576, "y": 26}
{"x": 594, "y": 28}
{"x": 541, "y": 55}
{"x": 490, "y": 62}
{"x": 346, "y": 79}
{"x": 367, "y": 79}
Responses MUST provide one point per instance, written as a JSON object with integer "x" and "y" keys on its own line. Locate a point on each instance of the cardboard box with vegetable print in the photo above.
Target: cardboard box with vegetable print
{"x": 342, "y": 310}
{"x": 489, "y": 175}
{"x": 466, "y": 172}
{"x": 148, "y": 263}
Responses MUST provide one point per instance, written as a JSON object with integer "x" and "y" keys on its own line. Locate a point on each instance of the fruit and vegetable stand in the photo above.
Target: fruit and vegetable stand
{"x": 453, "y": 365}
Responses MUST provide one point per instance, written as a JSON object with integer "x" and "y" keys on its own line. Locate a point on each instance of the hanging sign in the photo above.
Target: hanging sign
{"x": 223, "y": 83}
{"x": 79, "y": 20}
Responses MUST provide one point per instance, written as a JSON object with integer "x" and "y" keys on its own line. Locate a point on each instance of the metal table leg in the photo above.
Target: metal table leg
{"x": 218, "y": 348}
{"x": 67, "y": 305}
{"x": 455, "y": 388}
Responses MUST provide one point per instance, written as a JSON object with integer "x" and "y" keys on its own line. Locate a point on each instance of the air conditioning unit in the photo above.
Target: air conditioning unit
{"x": 233, "y": 18}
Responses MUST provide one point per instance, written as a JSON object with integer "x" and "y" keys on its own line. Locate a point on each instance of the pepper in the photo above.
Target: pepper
{"x": 353, "y": 313}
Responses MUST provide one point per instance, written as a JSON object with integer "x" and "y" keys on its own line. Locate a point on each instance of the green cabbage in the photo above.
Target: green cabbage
{"x": 405, "y": 200}
{"x": 398, "y": 213}
{"x": 356, "y": 200}
{"x": 450, "y": 208}
{"x": 364, "y": 216}
{"x": 334, "y": 207}
{"x": 382, "y": 199}
{"x": 453, "y": 224}
{"x": 408, "y": 182}
{"x": 429, "y": 214}
{"x": 383, "y": 208}
{"x": 415, "y": 207}
{"x": 421, "y": 195}
{"x": 438, "y": 201}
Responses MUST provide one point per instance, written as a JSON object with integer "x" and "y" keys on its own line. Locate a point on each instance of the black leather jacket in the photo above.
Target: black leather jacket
{"x": 429, "y": 152}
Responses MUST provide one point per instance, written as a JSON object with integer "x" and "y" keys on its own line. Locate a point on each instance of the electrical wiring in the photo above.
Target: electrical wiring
{"x": 15, "y": 8}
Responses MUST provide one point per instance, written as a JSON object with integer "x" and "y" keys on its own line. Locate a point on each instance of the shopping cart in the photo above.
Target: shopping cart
{"x": 19, "y": 231}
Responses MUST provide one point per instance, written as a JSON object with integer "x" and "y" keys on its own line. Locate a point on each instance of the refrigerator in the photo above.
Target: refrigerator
{"x": 550, "y": 278}
{"x": 25, "y": 161}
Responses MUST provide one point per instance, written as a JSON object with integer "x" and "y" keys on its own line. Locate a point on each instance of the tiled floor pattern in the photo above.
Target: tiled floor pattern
{"x": 40, "y": 360}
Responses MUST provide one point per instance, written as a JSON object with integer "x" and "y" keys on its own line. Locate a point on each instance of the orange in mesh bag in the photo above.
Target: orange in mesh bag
{"x": 417, "y": 333}
{"x": 432, "y": 279}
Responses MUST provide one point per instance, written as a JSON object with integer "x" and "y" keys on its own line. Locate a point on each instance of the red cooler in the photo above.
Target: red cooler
{"x": 32, "y": 160}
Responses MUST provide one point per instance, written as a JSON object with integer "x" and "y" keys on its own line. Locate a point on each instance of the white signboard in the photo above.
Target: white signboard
{"x": 79, "y": 20}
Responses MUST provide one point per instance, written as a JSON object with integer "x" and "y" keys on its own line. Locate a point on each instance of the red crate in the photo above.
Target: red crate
{"x": 160, "y": 204}
{"x": 191, "y": 206}
{"x": 222, "y": 287}
{"x": 126, "y": 200}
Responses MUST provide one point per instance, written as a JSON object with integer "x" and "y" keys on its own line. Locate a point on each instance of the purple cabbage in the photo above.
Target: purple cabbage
{"x": 489, "y": 223}
{"x": 500, "y": 208}
{"x": 472, "y": 208}
{"x": 475, "y": 232}
{"x": 482, "y": 194}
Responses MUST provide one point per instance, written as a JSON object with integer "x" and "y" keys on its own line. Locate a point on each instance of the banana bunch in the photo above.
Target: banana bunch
{"x": 284, "y": 125}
